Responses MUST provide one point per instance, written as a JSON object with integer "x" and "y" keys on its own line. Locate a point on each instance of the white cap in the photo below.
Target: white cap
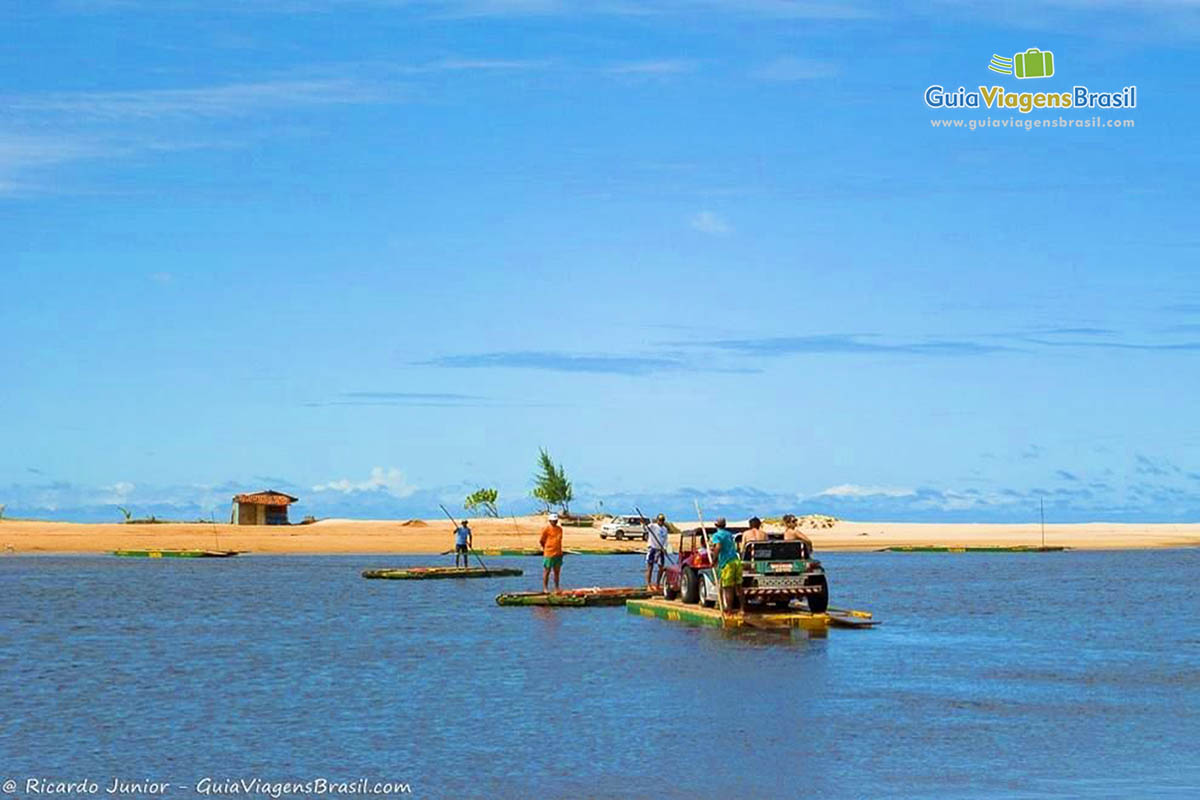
{"x": 554, "y": 517}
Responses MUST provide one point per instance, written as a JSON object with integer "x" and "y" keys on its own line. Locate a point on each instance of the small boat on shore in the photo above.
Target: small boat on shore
{"x": 595, "y": 596}
{"x": 942, "y": 548}
{"x": 154, "y": 553}
{"x": 432, "y": 573}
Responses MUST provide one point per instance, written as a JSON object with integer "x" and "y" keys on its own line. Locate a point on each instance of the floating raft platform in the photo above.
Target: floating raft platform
{"x": 677, "y": 611}
{"x": 430, "y": 573}
{"x": 940, "y": 548}
{"x": 152, "y": 553}
{"x": 595, "y": 596}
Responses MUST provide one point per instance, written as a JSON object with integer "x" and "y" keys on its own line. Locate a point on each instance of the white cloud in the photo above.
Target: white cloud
{"x": 854, "y": 490}
{"x": 479, "y": 65}
{"x": 791, "y": 68}
{"x": 22, "y": 154}
{"x": 668, "y": 66}
{"x": 710, "y": 223}
{"x": 209, "y": 101}
{"x": 119, "y": 492}
{"x": 389, "y": 480}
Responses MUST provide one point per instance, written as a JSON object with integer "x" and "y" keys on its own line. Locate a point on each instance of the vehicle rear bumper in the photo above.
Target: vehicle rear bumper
{"x": 776, "y": 593}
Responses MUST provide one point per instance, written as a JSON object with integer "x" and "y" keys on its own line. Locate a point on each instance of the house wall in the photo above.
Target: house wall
{"x": 251, "y": 514}
{"x": 255, "y": 514}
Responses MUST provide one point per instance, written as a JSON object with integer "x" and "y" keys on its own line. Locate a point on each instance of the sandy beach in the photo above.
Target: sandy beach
{"x": 433, "y": 536}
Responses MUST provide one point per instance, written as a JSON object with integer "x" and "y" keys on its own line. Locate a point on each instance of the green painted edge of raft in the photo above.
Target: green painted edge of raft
{"x": 407, "y": 575}
{"x": 564, "y": 600}
{"x": 173, "y": 554}
{"x": 682, "y": 614}
{"x": 974, "y": 549}
{"x": 697, "y": 615}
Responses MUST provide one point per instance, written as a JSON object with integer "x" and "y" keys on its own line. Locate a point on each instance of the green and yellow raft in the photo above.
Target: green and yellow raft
{"x": 595, "y": 596}
{"x": 677, "y": 611}
{"x": 942, "y": 548}
{"x": 177, "y": 553}
{"x": 431, "y": 573}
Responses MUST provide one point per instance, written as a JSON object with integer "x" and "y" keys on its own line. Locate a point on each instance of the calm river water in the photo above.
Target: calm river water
{"x": 1006, "y": 675}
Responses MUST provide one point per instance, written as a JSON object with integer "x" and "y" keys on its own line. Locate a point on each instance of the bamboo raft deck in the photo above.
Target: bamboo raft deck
{"x": 432, "y": 573}
{"x": 677, "y": 611}
{"x": 942, "y": 548}
{"x": 595, "y": 596}
{"x": 157, "y": 553}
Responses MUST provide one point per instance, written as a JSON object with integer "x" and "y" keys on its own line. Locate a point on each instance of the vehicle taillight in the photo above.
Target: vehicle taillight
{"x": 813, "y": 566}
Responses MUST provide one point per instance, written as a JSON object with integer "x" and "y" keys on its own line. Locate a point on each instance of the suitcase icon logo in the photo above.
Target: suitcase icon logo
{"x": 1033, "y": 63}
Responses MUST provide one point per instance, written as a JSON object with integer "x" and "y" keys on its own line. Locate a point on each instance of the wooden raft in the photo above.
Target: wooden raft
{"x": 595, "y": 596}
{"x": 432, "y": 573}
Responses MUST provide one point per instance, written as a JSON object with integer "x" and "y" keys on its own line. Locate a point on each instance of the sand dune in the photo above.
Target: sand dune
{"x": 394, "y": 536}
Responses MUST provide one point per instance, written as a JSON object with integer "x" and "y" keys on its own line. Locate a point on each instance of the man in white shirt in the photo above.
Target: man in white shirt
{"x": 656, "y": 550}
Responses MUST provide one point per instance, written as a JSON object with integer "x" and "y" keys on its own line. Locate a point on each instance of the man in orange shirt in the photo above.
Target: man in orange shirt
{"x": 552, "y": 552}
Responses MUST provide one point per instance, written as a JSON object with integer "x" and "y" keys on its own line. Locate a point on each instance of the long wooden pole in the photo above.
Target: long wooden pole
{"x": 472, "y": 549}
{"x": 712, "y": 564}
{"x": 1042, "y": 506}
{"x": 646, "y": 528}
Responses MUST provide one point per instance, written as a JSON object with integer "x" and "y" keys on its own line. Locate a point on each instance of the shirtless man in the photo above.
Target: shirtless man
{"x": 756, "y": 532}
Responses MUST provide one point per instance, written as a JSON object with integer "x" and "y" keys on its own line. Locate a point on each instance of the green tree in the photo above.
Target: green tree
{"x": 551, "y": 485}
{"x": 483, "y": 497}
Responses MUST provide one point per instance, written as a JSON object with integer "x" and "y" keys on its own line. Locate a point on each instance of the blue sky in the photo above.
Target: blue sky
{"x": 377, "y": 253}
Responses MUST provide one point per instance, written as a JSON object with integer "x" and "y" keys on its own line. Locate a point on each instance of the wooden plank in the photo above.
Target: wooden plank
{"x": 430, "y": 573}
{"x": 596, "y": 596}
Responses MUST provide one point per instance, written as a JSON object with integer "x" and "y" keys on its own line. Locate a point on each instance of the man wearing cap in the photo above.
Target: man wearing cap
{"x": 462, "y": 544}
{"x": 656, "y": 550}
{"x": 552, "y": 552}
{"x": 729, "y": 566}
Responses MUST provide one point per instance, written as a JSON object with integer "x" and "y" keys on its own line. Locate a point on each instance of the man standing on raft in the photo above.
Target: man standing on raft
{"x": 552, "y": 552}
{"x": 656, "y": 550}
{"x": 729, "y": 566}
{"x": 462, "y": 544}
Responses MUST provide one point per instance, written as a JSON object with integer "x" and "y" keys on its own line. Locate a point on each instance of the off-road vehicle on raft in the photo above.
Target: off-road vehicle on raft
{"x": 774, "y": 573}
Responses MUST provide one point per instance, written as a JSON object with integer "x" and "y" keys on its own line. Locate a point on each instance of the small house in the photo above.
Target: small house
{"x": 261, "y": 508}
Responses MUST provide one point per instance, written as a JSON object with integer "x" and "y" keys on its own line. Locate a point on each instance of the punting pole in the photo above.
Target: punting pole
{"x": 472, "y": 549}
{"x": 1042, "y": 506}
{"x": 712, "y": 564}
{"x": 646, "y": 528}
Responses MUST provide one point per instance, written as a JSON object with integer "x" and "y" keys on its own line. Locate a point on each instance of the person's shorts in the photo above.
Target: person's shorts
{"x": 550, "y": 562}
{"x": 460, "y": 548}
{"x": 656, "y": 556}
{"x": 731, "y": 574}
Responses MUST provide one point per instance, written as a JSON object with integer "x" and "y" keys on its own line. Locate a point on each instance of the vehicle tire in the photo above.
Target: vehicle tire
{"x": 604, "y": 536}
{"x": 667, "y": 591}
{"x": 645, "y": 536}
{"x": 818, "y": 602}
{"x": 619, "y": 536}
{"x": 688, "y": 586}
{"x": 705, "y": 600}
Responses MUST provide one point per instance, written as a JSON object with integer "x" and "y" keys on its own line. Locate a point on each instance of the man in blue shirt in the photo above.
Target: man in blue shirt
{"x": 729, "y": 566}
{"x": 462, "y": 544}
